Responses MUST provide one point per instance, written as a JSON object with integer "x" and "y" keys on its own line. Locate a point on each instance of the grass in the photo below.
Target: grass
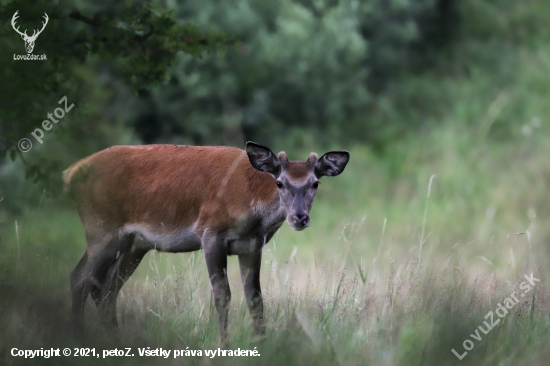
{"x": 406, "y": 254}
{"x": 383, "y": 276}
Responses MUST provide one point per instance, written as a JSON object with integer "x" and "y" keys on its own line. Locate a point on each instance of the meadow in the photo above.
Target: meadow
{"x": 440, "y": 214}
{"x": 401, "y": 264}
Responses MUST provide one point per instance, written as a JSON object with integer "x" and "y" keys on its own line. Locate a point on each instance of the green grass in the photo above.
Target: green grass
{"x": 350, "y": 290}
{"x": 384, "y": 275}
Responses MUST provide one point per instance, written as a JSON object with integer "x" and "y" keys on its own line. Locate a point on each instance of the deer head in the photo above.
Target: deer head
{"x": 29, "y": 40}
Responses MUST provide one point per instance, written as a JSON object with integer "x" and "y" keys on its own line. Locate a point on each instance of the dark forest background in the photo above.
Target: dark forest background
{"x": 441, "y": 211}
{"x": 292, "y": 74}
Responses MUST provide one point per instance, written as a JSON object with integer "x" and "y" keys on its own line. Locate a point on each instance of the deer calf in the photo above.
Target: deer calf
{"x": 223, "y": 200}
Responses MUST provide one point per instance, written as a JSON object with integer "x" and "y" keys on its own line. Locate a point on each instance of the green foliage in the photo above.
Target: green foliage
{"x": 135, "y": 40}
{"x": 303, "y": 66}
{"x": 411, "y": 88}
{"x": 303, "y": 73}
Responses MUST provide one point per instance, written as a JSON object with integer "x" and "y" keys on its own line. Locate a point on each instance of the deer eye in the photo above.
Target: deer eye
{"x": 279, "y": 184}
{"x": 315, "y": 185}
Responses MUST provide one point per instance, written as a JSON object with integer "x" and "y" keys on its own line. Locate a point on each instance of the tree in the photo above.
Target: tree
{"x": 133, "y": 41}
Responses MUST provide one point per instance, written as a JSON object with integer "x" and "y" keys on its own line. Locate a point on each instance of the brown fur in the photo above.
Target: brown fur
{"x": 169, "y": 185}
{"x": 298, "y": 170}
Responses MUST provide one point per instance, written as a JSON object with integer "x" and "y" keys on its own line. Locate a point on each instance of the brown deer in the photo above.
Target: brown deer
{"x": 223, "y": 200}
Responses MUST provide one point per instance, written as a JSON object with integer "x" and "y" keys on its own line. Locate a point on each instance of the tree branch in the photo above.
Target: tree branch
{"x": 77, "y": 16}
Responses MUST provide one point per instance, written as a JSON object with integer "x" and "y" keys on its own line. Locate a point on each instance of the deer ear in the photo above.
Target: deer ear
{"x": 331, "y": 164}
{"x": 263, "y": 159}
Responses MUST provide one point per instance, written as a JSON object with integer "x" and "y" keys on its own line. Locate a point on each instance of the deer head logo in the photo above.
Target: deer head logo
{"x": 29, "y": 40}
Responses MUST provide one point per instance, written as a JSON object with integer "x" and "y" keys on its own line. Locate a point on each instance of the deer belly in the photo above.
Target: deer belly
{"x": 173, "y": 241}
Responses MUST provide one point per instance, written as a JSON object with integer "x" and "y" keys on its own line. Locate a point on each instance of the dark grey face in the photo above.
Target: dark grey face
{"x": 297, "y": 198}
{"x": 297, "y": 181}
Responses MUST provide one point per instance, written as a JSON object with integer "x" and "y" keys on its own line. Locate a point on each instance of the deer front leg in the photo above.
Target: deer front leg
{"x": 250, "y": 274}
{"x": 215, "y": 253}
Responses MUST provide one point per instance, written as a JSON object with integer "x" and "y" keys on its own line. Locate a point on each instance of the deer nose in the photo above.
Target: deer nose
{"x": 301, "y": 219}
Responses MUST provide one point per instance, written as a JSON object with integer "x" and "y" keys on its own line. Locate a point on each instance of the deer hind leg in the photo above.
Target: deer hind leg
{"x": 89, "y": 275}
{"x": 85, "y": 279}
{"x": 111, "y": 272}
{"x": 80, "y": 290}
{"x": 116, "y": 276}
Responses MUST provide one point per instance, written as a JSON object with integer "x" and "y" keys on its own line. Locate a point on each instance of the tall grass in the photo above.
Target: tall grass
{"x": 396, "y": 269}
{"x": 382, "y": 277}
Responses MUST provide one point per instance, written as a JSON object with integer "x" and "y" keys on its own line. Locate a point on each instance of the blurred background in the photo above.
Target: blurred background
{"x": 443, "y": 105}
